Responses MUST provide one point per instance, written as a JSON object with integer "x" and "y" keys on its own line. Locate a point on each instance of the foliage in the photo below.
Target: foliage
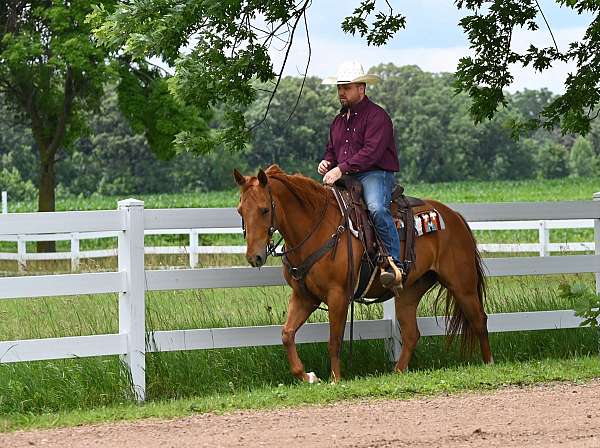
{"x": 583, "y": 161}
{"x": 587, "y": 302}
{"x": 52, "y": 78}
{"x": 219, "y": 50}
{"x": 11, "y": 180}
{"x": 552, "y": 160}
{"x": 435, "y": 137}
{"x": 229, "y": 52}
{"x": 151, "y": 110}
{"x": 490, "y": 30}
{"x": 116, "y": 161}
{"x": 381, "y": 30}
{"x": 51, "y": 71}
{"x": 296, "y": 141}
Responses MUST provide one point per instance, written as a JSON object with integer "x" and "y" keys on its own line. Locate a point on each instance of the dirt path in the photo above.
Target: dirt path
{"x": 565, "y": 415}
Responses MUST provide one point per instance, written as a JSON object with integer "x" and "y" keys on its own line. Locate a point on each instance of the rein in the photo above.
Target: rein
{"x": 272, "y": 247}
{"x": 300, "y": 272}
{"x": 299, "y": 245}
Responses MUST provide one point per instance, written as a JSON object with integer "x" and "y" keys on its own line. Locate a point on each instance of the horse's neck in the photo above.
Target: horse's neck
{"x": 295, "y": 220}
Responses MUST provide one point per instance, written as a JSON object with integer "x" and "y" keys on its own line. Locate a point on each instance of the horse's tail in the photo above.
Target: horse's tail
{"x": 458, "y": 322}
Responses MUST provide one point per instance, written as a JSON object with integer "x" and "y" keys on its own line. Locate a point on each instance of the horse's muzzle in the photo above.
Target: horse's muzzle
{"x": 257, "y": 260}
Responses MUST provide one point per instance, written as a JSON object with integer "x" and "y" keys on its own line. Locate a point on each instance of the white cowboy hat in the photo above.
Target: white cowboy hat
{"x": 349, "y": 72}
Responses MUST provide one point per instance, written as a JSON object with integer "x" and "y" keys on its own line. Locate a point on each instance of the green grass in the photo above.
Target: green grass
{"x": 448, "y": 380}
{"x": 65, "y": 385}
{"x": 568, "y": 189}
{"x": 75, "y": 391}
{"x": 500, "y": 191}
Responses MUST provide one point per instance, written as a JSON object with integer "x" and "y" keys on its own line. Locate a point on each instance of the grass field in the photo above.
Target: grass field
{"x": 39, "y": 393}
{"x": 568, "y": 189}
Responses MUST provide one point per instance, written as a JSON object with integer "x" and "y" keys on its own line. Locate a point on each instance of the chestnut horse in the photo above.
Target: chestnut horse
{"x": 306, "y": 214}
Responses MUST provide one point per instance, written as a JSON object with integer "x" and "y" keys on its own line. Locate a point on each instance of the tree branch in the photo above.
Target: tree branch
{"x": 279, "y": 76}
{"x": 305, "y": 70}
{"x": 548, "y": 25}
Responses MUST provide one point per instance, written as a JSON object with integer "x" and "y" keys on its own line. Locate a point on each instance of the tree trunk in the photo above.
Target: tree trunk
{"x": 46, "y": 198}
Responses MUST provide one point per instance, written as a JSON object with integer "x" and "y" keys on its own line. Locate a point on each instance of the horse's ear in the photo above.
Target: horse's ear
{"x": 241, "y": 180}
{"x": 262, "y": 178}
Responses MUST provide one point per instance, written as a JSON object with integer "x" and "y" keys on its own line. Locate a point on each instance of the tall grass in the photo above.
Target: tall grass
{"x": 37, "y": 387}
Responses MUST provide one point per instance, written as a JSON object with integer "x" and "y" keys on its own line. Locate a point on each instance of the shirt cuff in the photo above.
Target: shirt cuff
{"x": 344, "y": 168}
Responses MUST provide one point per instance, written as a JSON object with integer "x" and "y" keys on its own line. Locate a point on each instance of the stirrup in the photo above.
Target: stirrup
{"x": 392, "y": 276}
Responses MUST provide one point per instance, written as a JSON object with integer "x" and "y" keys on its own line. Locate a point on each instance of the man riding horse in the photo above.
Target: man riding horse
{"x": 313, "y": 223}
{"x": 361, "y": 145}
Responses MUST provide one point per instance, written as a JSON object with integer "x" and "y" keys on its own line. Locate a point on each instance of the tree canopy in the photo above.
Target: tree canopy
{"x": 53, "y": 75}
{"x": 227, "y": 49}
{"x": 435, "y": 137}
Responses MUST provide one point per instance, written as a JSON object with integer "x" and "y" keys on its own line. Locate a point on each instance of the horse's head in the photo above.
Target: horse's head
{"x": 258, "y": 215}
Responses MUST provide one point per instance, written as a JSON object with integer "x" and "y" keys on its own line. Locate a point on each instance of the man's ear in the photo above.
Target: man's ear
{"x": 240, "y": 180}
{"x": 262, "y": 178}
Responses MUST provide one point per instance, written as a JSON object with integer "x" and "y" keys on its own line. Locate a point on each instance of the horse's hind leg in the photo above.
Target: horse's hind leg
{"x": 299, "y": 309}
{"x": 477, "y": 318}
{"x": 470, "y": 304}
{"x": 406, "y": 313}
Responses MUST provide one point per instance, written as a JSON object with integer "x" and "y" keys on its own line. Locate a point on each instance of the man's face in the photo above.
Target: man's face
{"x": 350, "y": 94}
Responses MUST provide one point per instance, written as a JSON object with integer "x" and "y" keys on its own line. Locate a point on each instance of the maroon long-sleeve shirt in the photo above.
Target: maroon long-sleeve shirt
{"x": 362, "y": 142}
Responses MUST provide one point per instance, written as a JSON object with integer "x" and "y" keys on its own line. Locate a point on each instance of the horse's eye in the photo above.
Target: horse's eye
{"x": 264, "y": 211}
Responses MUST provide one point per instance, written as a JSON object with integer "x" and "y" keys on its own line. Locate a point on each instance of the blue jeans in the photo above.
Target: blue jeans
{"x": 377, "y": 191}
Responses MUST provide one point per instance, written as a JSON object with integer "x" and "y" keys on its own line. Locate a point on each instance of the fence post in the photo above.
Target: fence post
{"x": 544, "y": 238}
{"x": 597, "y": 241}
{"x": 132, "y": 300}
{"x": 21, "y": 253}
{"x": 75, "y": 252}
{"x": 193, "y": 248}
{"x": 4, "y": 202}
{"x": 394, "y": 344}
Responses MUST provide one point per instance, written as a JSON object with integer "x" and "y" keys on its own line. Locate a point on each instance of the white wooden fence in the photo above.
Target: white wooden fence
{"x": 193, "y": 249}
{"x": 131, "y": 281}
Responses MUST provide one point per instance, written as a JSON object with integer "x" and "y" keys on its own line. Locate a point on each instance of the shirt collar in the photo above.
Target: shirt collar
{"x": 357, "y": 108}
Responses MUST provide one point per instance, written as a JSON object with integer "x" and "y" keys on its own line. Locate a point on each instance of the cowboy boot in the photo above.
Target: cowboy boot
{"x": 392, "y": 275}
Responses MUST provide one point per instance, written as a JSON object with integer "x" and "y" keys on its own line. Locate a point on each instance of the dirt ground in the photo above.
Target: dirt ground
{"x": 565, "y": 415}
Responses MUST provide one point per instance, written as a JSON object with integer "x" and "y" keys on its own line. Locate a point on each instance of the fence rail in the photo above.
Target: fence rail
{"x": 131, "y": 281}
{"x": 193, "y": 249}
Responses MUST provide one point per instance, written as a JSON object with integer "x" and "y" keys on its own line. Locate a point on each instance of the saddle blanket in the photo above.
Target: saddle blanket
{"x": 425, "y": 222}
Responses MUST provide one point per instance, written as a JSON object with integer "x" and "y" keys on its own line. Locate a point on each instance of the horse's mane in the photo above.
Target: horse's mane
{"x": 305, "y": 190}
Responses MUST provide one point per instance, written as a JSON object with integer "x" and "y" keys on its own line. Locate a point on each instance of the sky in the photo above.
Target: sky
{"x": 433, "y": 40}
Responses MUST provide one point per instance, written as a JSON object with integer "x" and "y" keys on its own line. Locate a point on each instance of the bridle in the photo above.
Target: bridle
{"x": 271, "y": 230}
{"x": 271, "y": 245}
{"x": 299, "y": 272}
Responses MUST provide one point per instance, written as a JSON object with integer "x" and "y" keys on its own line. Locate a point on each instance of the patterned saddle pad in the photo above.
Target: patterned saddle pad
{"x": 425, "y": 222}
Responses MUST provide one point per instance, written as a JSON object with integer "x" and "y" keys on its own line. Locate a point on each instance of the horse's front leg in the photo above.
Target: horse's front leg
{"x": 338, "y": 310}
{"x": 299, "y": 309}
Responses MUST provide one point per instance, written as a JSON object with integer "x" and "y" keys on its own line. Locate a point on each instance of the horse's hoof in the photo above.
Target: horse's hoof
{"x": 312, "y": 378}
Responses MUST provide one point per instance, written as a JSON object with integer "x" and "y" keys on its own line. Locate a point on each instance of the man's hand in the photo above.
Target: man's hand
{"x": 323, "y": 167}
{"x": 332, "y": 176}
